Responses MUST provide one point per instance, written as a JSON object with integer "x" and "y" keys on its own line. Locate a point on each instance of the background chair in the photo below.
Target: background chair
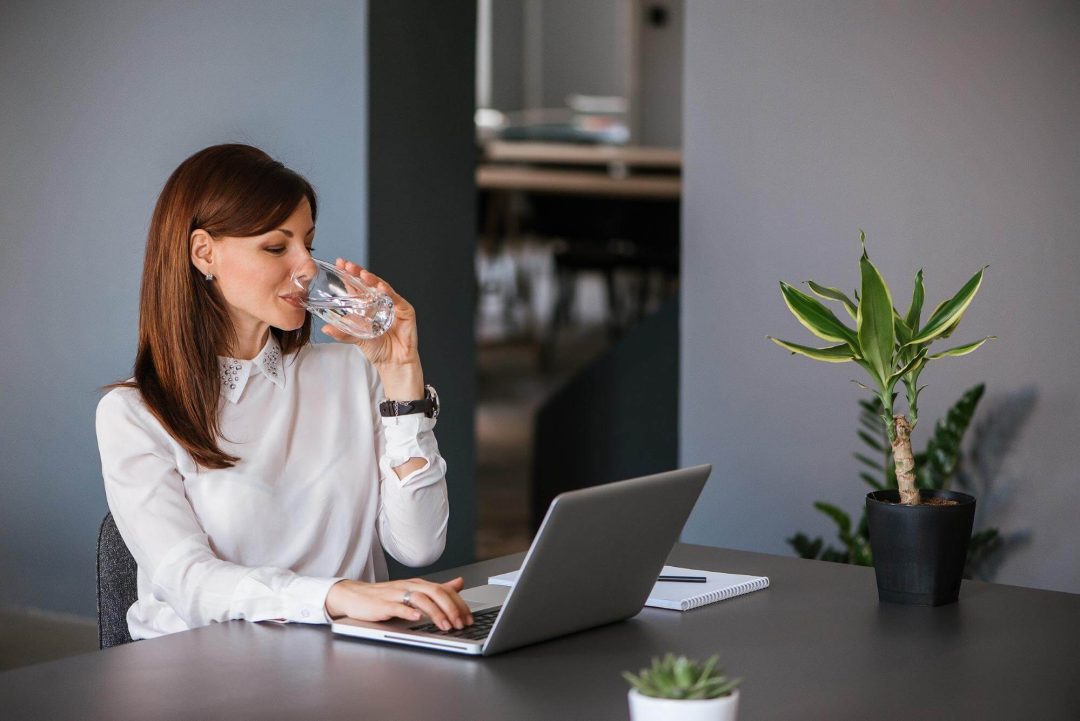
{"x": 117, "y": 586}
{"x": 637, "y": 237}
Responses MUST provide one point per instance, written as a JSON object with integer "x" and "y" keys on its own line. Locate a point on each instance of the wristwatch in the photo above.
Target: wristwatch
{"x": 428, "y": 405}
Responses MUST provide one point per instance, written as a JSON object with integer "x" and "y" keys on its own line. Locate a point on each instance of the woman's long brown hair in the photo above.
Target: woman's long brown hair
{"x": 226, "y": 190}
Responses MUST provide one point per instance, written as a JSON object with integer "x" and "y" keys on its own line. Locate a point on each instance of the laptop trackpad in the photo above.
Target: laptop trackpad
{"x": 479, "y": 597}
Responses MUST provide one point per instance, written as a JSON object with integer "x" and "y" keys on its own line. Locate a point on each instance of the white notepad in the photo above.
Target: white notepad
{"x": 682, "y": 596}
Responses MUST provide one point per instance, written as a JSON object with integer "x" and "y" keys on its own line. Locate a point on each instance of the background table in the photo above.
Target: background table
{"x": 815, "y": 645}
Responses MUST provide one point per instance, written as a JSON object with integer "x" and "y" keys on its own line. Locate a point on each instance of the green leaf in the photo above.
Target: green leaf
{"x": 867, "y": 461}
{"x": 943, "y": 448}
{"x": 871, "y": 481}
{"x": 833, "y": 354}
{"x": 908, "y": 368}
{"x": 871, "y": 441}
{"x": 803, "y": 546}
{"x": 948, "y": 314}
{"x": 915, "y": 309}
{"x": 684, "y": 675}
{"x": 707, "y": 669}
{"x": 866, "y": 367}
{"x": 949, "y": 331}
{"x": 860, "y": 551}
{"x": 982, "y": 545}
{"x": 843, "y": 520}
{"x": 817, "y": 319}
{"x": 961, "y": 350}
{"x": 903, "y": 333}
{"x": 871, "y": 407}
{"x": 833, "y": 294}
{"x": 876, "y": 333}
{"x": 870, "y": 423}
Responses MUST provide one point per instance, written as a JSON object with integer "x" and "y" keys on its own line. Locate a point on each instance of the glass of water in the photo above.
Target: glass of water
{"x": 342, "y": 299}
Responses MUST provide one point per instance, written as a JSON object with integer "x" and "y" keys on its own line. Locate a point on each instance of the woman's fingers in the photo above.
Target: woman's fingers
{"x": 382, "y": 601}
{"x": 446, "y": 605}
{"x": 454, "y": 586}
{"x": 456, "y": 615}
{"x": 370, "y": 279}
{"x": 433, "y": 611}
{"x": 400, "y": 610}
{"x": 338, "y": 335}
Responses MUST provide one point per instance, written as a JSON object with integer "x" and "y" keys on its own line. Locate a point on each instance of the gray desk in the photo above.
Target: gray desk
{"x": 816, "y": 645}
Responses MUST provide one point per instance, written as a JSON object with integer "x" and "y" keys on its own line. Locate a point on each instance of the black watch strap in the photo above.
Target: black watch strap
{"x": 428, "y": 405}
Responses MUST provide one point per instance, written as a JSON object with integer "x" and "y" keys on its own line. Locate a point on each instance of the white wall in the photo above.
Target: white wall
{"x": 948, "y": 131}
{"x": 100, "y": 102}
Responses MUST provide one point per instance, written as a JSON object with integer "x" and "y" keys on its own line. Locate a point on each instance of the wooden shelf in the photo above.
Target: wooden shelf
{"x": 577, "y": 182}
{"x": 570, "y": 154}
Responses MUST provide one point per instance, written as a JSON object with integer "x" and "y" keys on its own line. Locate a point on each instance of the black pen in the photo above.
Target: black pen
{"x": 683, "y": 579}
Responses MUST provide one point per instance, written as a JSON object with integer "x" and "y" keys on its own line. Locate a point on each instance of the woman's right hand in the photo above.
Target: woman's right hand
{"x": 383, "y": 601}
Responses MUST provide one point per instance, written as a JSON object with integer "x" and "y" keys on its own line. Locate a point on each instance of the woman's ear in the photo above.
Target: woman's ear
{"x": 202, "y": 251}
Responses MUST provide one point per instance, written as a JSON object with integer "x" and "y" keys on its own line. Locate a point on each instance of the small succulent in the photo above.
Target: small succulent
{"x": 681, "y": 678}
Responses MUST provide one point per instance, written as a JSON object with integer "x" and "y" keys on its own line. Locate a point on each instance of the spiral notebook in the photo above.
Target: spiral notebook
{"x": 682, "y": 596}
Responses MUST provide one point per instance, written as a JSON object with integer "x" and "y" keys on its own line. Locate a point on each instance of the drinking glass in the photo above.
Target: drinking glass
{"x": 342, "y": 299}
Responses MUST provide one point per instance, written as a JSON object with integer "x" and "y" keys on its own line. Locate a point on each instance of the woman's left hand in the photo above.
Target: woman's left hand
{"x": 394, "y": 354}
{"x": 397, "y": 347}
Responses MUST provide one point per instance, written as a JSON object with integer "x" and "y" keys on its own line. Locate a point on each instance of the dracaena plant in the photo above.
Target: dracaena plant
{"x": 892, "y": 348}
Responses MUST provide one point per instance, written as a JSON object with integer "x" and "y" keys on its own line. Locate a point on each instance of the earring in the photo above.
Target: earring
{"x": 209, "y": 276}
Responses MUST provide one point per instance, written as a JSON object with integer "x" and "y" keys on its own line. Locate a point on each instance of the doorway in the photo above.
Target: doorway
{"x": 578, "y": 127}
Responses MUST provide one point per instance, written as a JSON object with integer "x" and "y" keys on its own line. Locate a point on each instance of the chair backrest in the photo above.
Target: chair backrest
{"x": 117, "y": 585}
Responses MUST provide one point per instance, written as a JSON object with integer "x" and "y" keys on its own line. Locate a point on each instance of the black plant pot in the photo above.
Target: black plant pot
{"x": 919, "y": 551}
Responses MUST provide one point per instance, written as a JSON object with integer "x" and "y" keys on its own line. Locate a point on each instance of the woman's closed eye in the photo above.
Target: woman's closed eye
{"x": 278, "y": 249}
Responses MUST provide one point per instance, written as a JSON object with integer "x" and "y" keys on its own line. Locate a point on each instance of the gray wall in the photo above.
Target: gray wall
{"x": 661, "y": 68}
{"x": 100, "y": 102}
{"x": 544, "y": 50}
{"x": 583, "y": 47}
{"x": 948, "y": 131}
{"x": 507, "y": 55}
{"x": 422, "y": 214}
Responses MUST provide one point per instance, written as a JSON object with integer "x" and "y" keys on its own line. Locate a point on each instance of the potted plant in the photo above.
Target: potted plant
{"x": 939, "y": 466}
{"x": 678, "y": 688}
{"x": 918, "y": 537}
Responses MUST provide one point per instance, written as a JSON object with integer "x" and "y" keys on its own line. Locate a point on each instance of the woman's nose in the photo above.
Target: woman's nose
{"x": 304, "y": 271}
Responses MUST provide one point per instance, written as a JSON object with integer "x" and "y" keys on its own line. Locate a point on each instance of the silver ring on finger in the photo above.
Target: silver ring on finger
{"x": 407, "y": 599}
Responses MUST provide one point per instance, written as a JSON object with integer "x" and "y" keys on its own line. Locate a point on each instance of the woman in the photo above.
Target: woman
{"x": 254, "y": 475}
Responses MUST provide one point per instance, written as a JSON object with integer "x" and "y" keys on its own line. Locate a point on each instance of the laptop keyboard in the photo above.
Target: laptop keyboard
{"x": 483, "y": 621}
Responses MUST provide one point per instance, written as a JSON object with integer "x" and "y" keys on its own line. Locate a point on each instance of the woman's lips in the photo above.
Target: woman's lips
{"x": 296, "y": 300}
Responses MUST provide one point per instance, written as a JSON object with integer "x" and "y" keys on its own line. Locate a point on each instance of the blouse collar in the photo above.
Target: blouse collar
{"x": 236, "y": 372}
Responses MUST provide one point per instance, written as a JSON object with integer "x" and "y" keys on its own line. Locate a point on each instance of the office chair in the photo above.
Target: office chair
{"x": 117, "y": 586}
{"x": 606, "y": 235}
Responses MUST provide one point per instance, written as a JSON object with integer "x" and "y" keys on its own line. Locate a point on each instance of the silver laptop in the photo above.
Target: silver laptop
{"x": 594, "y": 560}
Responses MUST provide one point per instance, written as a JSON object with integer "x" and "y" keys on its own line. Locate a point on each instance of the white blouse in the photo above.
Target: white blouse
{"x": 312, "y": 500}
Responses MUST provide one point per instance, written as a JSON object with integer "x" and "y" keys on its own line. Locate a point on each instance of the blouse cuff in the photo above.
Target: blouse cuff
{"x": 403, "y": 436}
{"x": 306, "y": 599}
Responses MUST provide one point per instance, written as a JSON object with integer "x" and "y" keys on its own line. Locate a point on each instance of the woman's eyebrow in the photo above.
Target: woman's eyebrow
{"x": 289, "y": 233}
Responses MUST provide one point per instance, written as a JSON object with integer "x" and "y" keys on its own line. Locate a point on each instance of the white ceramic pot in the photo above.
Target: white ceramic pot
{"x": 648, "y": 708}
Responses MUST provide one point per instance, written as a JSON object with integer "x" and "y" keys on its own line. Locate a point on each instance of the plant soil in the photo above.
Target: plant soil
{"x": 933, "y": 501}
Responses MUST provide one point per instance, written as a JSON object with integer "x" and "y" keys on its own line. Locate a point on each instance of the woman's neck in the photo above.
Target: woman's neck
{"x": 249, "y": 341}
